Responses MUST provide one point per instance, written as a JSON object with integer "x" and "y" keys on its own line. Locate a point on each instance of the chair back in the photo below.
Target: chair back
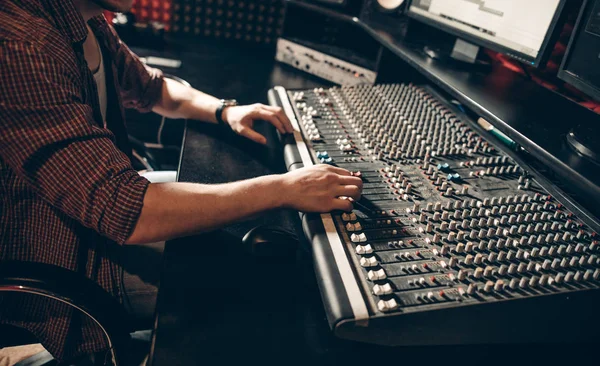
{"x": 70, "y": 288}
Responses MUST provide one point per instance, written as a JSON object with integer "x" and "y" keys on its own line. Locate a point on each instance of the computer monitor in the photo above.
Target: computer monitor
{"x": 580, "y": 69}
{"x": 581, "y": 64}
{"x": 522, "y": 29}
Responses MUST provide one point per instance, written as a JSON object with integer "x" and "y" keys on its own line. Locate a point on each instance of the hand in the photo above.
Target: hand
{"x": 241, "y": 119}
{"x": 319, "y": 188}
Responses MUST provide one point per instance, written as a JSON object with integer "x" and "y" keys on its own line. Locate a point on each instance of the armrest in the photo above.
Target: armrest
{"x": 71, "y": 288}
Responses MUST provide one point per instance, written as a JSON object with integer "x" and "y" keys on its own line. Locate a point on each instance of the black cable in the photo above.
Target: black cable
{"x": 525, "y": 71}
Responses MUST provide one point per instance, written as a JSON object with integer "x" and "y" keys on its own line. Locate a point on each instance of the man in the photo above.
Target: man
{"x": 69, "y": 194}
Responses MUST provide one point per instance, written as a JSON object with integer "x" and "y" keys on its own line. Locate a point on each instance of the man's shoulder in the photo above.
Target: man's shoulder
{"x": 24, "y": 21}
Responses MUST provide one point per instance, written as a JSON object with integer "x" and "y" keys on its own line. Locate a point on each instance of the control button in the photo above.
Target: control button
{"x": 503, "y": 270}
{"x": 523, "y": 282}
{"x": 349, "y": 216}
{"x": 469, "y": 259}
{"x": 472, "y": 289}
{"x": 469, "y": 247}
{"x": 368, "y": 261}
{"x": 533, "y": 281}
{"x": 364, "y": 249}
{"x": 376, "y": 275}
{"x": 488, "y": 287}
{"x": 478, "y": 258}
{"x": 387, "y": 305}
{"x": 429, "y": 227}
{"x": 499, "y": 286}
{"x": 489, "y": 270}
{"x": 569, "y": 277}
{"x": 451, "y": 236}
{"x": 559, "y": 278}
{"x": 573, "y": 262}
{"x": 555, "y": 263}
{"x": 384, "y": 289}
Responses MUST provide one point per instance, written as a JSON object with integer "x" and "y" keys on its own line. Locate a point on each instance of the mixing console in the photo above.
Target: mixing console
{"x": 449, "y": 226}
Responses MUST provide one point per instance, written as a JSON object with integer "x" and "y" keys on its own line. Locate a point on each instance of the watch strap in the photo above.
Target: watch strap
{"x": 219, "y": 113}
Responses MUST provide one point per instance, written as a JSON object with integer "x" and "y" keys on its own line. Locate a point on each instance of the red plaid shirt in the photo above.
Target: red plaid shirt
{"x": 68, "y": 192}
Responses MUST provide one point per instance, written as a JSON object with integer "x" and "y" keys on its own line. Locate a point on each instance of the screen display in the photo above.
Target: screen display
{"x": 519, "y": 25}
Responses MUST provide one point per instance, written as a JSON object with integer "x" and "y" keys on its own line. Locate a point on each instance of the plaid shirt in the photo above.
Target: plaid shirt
{"x": 69, "y": 195}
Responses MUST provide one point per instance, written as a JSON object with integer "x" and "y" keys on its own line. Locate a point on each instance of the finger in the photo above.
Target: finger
{"x": 269, "y": 117}
{"x": 349, "y": 191}
{"x": 253, "y": 135}
{"x": 335, "y": 169}
{"x": 345, "y": 180}
{"x": 341, "y": 204}
{"x": 287, "y": 124}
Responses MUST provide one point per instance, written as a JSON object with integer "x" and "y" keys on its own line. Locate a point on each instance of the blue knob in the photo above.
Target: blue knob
{"x": 322, "y": 154}
{"x": 443, "y": 167}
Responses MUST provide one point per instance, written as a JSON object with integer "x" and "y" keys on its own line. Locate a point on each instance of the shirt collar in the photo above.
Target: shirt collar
{"x": 67, "y": 18}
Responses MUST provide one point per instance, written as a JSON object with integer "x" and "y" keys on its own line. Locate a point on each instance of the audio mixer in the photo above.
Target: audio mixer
{"x": 454, "y": 240}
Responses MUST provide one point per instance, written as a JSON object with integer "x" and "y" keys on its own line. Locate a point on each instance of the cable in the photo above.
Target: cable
{"x": 525, "y": 71}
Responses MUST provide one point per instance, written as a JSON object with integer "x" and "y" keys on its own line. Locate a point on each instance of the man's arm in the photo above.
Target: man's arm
{"x": 180, "y": 101}
{"x": 50, "y": 141}
{"x": 143, "y": 88}
{"x": 175, "y": 209}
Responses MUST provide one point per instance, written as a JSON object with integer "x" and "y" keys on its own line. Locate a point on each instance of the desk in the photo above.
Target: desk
{"x": 219, "y": 306}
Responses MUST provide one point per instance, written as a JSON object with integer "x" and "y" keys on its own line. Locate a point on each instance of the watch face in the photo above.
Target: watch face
{"x": 230, "y": 102}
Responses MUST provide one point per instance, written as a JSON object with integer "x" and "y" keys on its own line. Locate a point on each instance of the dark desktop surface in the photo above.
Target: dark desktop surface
{"x": 220, "y": 305}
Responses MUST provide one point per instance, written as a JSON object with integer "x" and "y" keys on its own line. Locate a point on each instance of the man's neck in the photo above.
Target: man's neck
{"x": 88, "y": 9}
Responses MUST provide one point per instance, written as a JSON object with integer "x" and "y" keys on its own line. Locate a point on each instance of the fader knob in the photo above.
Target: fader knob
{"x": 384, "y": 289}
{"x": 368, "y": 261}
{"x": 387, "y": 305}
{"x": 377, "y": 275}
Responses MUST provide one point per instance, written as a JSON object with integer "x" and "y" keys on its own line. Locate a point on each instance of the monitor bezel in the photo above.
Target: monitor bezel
{"x": 563, "y": 72}
{"x": 542, "y": 56}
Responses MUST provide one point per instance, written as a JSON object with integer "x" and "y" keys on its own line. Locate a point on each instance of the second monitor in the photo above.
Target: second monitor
{"x": 520, "y": 29}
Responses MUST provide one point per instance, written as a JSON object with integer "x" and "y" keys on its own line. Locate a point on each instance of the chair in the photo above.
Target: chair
{"x": 70, "y": 288}
{"x": 156, "y": 146}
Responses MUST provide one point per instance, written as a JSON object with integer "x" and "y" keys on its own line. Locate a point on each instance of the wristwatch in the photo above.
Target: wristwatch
{"x": 219, "y": 111}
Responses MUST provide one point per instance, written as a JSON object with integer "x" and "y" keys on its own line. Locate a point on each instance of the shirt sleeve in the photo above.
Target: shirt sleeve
{"x": 140, "y": 85}
{"x": 48, "y": 137}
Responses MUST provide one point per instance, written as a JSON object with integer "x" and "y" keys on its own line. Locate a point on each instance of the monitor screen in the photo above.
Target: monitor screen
{"x": 519, "y": 28}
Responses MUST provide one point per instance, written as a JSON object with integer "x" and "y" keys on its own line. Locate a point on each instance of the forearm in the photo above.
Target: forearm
{"x": 180, "y": 101}
{"x": 177, "y": 209}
